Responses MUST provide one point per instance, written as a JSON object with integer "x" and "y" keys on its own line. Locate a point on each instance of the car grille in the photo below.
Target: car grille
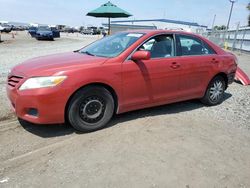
{"x": 14, "y": 80}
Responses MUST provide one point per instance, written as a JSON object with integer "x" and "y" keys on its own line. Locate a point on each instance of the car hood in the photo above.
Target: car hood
{"x": 52, "y": 64}
{"x": 44, "y": 32}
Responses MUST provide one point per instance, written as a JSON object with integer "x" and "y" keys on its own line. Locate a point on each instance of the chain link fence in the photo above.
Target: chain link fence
{"x": 236, "y": 40}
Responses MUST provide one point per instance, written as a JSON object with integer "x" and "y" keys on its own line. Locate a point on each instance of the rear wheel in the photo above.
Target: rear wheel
{"x": 215, "y": 91}
{"x": 90, "y": 109}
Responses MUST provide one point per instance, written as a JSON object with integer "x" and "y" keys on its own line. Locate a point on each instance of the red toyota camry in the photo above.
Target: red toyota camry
{"x": 123, "y": 72}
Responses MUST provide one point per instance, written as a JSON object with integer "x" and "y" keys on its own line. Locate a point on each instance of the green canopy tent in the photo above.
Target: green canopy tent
{"x": 109, "y": 10}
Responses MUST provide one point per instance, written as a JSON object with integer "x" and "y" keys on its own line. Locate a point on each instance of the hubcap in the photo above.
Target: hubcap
{"x": 216, "y": 91}
{"x": 92, "y": 109}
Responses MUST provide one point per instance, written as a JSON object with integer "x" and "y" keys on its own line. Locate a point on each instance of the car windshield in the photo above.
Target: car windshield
{"x": 45, "y": 28}
{"x": 111, "y": 46}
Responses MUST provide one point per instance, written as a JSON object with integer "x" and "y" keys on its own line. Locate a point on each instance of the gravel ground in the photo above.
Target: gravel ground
{"x": 179, "y": 145}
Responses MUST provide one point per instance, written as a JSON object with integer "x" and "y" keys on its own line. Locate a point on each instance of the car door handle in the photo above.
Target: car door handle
{"x": 175, "y": 65}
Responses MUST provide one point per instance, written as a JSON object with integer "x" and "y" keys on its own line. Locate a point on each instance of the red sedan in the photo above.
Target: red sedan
{"x": 123, "y": 72}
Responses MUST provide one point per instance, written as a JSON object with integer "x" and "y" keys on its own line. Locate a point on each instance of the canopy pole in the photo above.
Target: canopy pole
{"x": 109, "y": 27}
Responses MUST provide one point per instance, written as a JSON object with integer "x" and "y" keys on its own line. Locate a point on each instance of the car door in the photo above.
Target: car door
{"x": 153, "y": 81}
{"x": 197, "y": 61}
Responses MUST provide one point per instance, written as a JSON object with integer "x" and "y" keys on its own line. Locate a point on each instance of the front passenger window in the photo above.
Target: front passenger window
{"x": 160, "y": 46}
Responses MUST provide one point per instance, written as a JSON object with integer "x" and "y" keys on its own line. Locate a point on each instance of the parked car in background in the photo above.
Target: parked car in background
{"x": 95, "y": 30}
{"x": 87, "y": 32}
{"x": 6, "y": 28}
{"x": 19, "y": 28}
{"x": 92, "y": 30}
{"x": 70, "y": 30}
{"x": 32, "y": 31}
{"x": 56, "y": 32}
{"x": 46, "y": 32}
{"x": 1, "y": 28}
{"x": 119, "y": 73}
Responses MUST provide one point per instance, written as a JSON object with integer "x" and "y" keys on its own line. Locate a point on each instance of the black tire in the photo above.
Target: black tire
{"x": 90, "y": 109}
{"x": 23, "y": 122}
{"x": 211, "y": 98}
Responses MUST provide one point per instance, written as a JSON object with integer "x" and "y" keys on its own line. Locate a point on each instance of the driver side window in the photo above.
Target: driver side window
{"x": 160, "y": 46}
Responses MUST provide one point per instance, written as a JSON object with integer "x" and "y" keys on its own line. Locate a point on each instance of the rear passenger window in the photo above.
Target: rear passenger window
{"x": 189, "y": 45}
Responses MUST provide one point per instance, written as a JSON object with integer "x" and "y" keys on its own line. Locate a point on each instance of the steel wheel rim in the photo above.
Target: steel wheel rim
{"x": 92, "y": 109}
{"x": 216, "y": 91}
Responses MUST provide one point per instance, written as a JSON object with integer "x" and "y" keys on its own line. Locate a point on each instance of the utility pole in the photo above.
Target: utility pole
{"x": 213, "y": 22}
{"x": 228, "y": 22}
{"x": 230, "y": 14}
{"x": 212, "y": 29}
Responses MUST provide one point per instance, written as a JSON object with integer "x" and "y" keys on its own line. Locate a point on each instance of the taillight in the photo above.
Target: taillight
{"x": 234, "y": 57}
{"x": 236, "y": 60}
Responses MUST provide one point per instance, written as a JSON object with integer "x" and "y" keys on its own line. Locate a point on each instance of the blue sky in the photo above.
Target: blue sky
{"x": 72, "y": 12}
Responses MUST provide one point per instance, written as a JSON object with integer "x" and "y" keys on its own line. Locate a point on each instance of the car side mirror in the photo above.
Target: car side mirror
{"x": 141, "y": 55}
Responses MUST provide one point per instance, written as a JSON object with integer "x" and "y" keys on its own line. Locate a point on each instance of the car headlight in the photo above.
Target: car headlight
{"x": 41, "y": 82}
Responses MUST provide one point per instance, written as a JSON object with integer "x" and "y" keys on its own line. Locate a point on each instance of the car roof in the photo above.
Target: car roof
{"x": 159, "y": 31}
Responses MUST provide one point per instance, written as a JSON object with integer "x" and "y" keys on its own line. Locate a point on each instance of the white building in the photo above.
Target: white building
{"x": 156, "y": 24}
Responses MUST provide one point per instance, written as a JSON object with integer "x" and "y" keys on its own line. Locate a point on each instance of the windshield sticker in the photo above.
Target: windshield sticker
{"x": 134, "y": 35}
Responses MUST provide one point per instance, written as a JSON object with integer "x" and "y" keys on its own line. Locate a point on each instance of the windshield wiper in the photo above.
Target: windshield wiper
{"x": 88, "y": 53}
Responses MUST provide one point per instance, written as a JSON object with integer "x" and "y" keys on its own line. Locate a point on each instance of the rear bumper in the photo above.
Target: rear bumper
{"x": 40, "y": 106}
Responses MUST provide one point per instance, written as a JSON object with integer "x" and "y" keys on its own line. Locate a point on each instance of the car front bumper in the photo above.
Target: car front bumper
{"x": 40, "y": 106}
{"x": 44, "y": 36}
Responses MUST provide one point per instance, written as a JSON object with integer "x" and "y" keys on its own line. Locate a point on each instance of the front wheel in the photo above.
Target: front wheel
{"x": 215, "y": 91}
{"x": 90, "y": 109}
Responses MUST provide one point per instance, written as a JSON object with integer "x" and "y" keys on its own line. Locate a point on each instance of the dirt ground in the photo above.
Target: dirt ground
{"x": 179, "y": 145}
